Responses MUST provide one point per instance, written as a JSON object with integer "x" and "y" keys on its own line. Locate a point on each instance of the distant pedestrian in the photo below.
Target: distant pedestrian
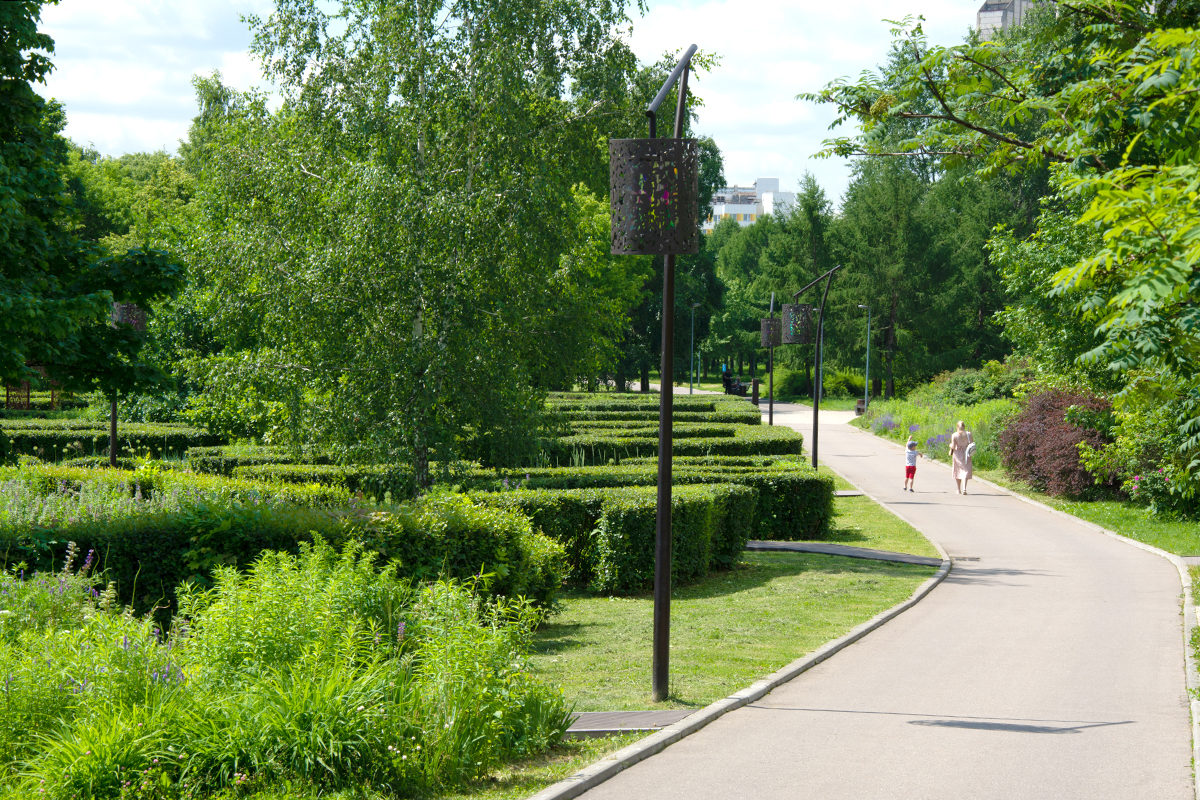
{"x": 910, "y": 464}
{"x": 962, "y": 450}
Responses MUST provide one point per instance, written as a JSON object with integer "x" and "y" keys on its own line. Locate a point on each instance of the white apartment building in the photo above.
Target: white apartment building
{"x": 745, "y": 204}
{"x": 1000, "y": 15}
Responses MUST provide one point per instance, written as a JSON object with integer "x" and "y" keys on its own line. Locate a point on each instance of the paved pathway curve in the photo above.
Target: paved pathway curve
{"x": 1048, "y": 664}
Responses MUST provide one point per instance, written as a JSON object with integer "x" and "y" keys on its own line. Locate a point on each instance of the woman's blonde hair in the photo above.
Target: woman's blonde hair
{"x": 962, "y": 426}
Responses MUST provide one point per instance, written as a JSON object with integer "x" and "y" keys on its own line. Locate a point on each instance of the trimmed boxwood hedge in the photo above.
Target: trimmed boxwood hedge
{"x": 794, "y": 502}
{"x": 749, "y": 416}
{"x": 221, "y": 460}
{"x": 686, "y": 430}
{"x": 148, "y": 554}
{"x": 601, "y": 448}
{"x": 371, "y": 480}
{"x": 47, "y": 478}
{"x": 53, "y": 440}
{"x": 609, "y": 533}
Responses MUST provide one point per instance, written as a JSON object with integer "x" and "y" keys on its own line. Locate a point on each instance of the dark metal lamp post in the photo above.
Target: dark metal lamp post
{"x": 828, "y": 278}
{"x": 867, "y": 380}
{"x": 654, "y": 199}
{"x": 692, "y": 357}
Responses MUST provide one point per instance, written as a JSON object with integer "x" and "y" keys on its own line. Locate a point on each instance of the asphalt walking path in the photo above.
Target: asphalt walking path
{"x": 1048, "y": 664}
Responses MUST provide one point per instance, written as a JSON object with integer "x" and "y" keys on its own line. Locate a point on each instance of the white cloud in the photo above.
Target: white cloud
{"x": 770, "y": 51}
{"x": 123, "y": 68}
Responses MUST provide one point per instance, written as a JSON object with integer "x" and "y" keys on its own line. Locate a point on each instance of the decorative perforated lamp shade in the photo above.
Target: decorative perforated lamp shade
{"x": 129, "y": 314}
{"x": 797, "y": 323}
{"x": 770, "y": 329}
{"x": 654, "y": 196}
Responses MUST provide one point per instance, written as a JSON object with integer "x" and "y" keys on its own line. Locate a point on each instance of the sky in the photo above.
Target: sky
{"x": 123, "y": 68}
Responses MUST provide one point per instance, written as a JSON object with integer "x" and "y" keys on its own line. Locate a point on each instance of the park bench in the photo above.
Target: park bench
{"x": 734, "y": 385}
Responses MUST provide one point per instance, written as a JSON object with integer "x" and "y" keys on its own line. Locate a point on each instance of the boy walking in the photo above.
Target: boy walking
{"x": 910, "y": 464}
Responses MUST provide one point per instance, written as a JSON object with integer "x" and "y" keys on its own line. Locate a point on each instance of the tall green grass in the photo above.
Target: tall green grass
{"x": 931, "y": 424}
{"x": 317, "y": 671}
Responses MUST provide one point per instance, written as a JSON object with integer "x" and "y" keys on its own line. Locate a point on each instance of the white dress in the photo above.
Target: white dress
{"x": 958, "y": 453}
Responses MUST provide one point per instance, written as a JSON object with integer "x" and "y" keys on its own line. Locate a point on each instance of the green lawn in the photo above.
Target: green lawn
{"x": 861, "y": 522}
{"x": 726, "y": 632}
{"x": 1181, "y": 538}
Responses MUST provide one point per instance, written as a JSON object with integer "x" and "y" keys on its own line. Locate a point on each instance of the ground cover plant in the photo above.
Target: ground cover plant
{"x": 316, "y": 669}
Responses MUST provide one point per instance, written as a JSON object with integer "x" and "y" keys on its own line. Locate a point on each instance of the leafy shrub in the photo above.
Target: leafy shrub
{"x": 445, "y": 535}
{"x": 314, "y": 669}
{"x": 843, "y": 382}
{"x": 606, "y": 530}
{"x": 1041, "y": 447}
{"x": 967, "y": 387}
{"x": 792, "y": 383}
{"x": 1148, "y": 452}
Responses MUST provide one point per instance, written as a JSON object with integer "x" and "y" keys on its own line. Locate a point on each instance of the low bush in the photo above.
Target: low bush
{"x": 315, "y": 670}
{"x": 155, "y": 481}
{"x": 1149, "y": 455}
{"x": 967, "y": 387}
{"x": 686, "y": 430}
{"x": 1041, "y": 447}
{"x": 445, "y": 535}
{"x": 609, "y": 533}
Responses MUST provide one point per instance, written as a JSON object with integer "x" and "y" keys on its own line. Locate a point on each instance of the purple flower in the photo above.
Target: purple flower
{"x": 914, "y": 428}
{"x": 400, "y": 631}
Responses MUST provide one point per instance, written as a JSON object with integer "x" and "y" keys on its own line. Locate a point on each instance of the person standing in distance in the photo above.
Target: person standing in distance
{"x": 962, "y": 448}
{"x": 910, "y": 464}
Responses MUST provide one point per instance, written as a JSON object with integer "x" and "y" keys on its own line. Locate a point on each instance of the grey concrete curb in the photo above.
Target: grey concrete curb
{"x": 595, "y": 774}
{"x": 1191, "y": 674}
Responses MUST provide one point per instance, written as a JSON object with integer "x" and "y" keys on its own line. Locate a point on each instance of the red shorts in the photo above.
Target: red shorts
{"x": 910, "y": 472}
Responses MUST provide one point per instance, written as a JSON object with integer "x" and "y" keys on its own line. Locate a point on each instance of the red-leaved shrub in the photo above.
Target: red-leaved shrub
{"x": 1041, "y": 448}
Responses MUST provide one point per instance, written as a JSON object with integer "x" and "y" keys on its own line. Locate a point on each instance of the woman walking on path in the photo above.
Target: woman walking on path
{"x": 962, "y": 447}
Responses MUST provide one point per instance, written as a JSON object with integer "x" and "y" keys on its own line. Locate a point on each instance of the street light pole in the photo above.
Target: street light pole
{"x": 820, "y": 338}
{"x": 867, "y": 382}
{"x": 692, "y": 348}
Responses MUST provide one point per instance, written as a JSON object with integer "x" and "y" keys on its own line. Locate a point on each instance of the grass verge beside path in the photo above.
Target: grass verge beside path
{"x": 726, "y": 632}
{"x": 734, "y": 627}
{"x": 861, "y": 522}
{"x": 1180, "y": 538}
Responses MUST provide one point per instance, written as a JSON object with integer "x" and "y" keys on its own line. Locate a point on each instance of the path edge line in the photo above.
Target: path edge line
{"x": 615, "y": 763}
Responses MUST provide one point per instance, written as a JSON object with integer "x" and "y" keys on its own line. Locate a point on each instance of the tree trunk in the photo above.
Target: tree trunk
{"x": 421, "y": 475}
{"x": 645, "y": 378}
{"x": 889, "y": 356}
{"x": 112, "y": 432}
